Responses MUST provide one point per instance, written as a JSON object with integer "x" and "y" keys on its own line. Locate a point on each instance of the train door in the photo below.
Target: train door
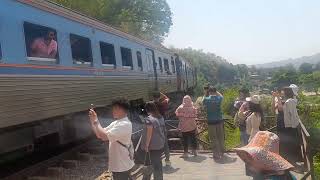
{"x": 178, "y": 69}
{"x": 152, "y": 68}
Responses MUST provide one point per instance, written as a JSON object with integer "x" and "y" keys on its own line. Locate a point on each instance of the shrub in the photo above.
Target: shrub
{"x": 229, "y": 96}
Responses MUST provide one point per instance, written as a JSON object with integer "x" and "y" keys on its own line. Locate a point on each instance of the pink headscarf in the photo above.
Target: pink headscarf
{"x": 186, "y": 109}
{"x": 187, "y": 114}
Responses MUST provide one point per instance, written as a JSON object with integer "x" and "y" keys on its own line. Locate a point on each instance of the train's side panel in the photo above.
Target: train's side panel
{"x": 32, "y": 91}
{"x": 28, "y": 98}
{"x": 167, "y": 82}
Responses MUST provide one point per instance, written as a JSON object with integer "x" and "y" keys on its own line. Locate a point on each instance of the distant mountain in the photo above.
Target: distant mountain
{"x": 314, "y": 59}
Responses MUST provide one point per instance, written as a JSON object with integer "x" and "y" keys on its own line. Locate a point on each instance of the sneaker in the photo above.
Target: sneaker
{"x": 168, "y": 163}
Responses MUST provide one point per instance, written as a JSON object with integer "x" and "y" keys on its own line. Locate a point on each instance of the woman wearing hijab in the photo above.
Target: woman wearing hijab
{"x": 187, "y": 114}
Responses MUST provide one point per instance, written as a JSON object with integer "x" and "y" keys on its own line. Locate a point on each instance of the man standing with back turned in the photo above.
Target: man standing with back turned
{"x": 118, "y": 133}
{"x": 212, "y": 105}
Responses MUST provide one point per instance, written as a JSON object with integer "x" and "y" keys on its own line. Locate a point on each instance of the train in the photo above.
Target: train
{"x": 55, "y": 62}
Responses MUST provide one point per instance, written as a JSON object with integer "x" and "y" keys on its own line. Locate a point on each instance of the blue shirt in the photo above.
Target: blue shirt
{"x": 213, "y": 108}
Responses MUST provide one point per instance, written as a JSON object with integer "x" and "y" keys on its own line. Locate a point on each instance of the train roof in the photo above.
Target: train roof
{"x": 73, "y": 15}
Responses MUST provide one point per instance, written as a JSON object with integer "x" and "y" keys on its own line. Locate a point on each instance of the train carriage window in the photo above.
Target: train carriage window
{"x": 166, "y": 66}
{"x": 81, "y": 49}
{"x": 0, "y": 52}
{"x": 107, "y": 54}
{"x": 139, "y": 58}
{"x": 126, "y": 57}
{"x": 41, "y": 42}
{"x": 173, "y": 65}
{"x": 160, "y": 65}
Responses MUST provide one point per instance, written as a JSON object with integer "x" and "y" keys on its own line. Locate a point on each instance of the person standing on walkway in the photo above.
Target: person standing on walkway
{"x": 153, "y": 140}
{"x": 162, "y": 103}
{"x": 187, "y": 114}
{"x": 241, "y": 115}
{"x": 288, "y": 132}
{"x": 253, "y": 121}
{"x": 118, "y": 133}
{"x": 240, "y": 121}
{"x": 212, "y": 105}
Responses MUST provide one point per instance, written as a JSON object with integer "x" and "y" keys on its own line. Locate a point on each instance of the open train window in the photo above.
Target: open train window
{"x": 81, "y": 49}
{"x": 139, "y": 59}
{"x": 126, "y": 57}
{"x": 160, "y": 65}
{"x": 173, "y": 65}
{"x": 41, "y": 42}
{"x": 107, "y": 54}
{"x": 166, "y": 66}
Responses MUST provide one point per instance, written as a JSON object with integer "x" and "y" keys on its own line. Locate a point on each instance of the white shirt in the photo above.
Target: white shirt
{"x": 276, "y": 101}
{"x": 119, "y": 159}
{"x": 252, "y": 125}
{"x": 291, "y": 117}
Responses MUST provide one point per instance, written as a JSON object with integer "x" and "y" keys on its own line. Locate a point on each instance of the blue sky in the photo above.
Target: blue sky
{"x": 247, "y": 31}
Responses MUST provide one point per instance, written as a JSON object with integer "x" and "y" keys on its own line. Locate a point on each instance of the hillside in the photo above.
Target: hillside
{"x": 314, "y": 59}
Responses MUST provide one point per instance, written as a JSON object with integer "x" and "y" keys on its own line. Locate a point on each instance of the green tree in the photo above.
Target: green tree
{"x": 147, "y": 19}
{"x": 317, "y": 66}
{"x": 284, "y": 77}
{"x": 306, "y": 68}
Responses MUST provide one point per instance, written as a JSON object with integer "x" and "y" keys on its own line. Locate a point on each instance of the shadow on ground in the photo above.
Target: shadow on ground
{"x": 226, "y": 159}
{"x": 170, "y": 169}
{"x": 196, "y": 159}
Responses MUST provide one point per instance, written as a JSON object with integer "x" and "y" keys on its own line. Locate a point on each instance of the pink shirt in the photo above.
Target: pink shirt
{"x": 40, "y": 49}
{"x": 187, "y": 114}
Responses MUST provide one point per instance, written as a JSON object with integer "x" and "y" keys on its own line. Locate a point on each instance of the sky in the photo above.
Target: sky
{"x": 247, "y": 31}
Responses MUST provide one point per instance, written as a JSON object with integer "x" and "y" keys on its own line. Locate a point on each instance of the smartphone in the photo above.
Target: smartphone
{"x": 92, "y": 106}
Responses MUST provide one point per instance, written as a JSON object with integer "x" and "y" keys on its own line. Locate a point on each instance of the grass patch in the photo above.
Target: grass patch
{"x": 232, "y": 137}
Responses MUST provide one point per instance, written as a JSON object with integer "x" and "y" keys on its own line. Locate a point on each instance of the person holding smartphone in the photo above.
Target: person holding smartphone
{"x": 118, "y": 134}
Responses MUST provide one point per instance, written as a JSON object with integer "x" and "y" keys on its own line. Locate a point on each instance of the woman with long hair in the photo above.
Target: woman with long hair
{"x": 253, "y": 121}
{"x": 153, "y": 140}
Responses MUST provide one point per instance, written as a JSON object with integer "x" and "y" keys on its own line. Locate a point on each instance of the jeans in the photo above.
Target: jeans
{"x": 244, "y": 138}
{"x": 189, "y": 137}
{"x": 216, "y": 135}
{"x": 156, "y": 161}
{"x": 121, "y": 175}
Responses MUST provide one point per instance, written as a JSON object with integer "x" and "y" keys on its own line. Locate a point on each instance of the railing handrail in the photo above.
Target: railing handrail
{"x": 304, "y": 129}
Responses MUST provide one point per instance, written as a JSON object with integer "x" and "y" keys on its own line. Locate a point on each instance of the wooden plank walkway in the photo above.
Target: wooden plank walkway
{"x": 203, "y": 167}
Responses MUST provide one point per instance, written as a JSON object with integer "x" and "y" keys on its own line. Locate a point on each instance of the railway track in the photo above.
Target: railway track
{"x": 85, "y": 161}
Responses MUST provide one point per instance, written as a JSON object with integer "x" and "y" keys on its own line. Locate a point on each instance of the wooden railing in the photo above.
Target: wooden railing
{"x": 306, "y": 152}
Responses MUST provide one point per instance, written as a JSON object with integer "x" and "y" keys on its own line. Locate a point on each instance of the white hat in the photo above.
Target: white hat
{"x": 255, "y": 99}
{"x": 295, "y": 89}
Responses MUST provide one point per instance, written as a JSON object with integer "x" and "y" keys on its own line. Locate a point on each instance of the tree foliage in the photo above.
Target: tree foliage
{"x": 213, "y": 69}
{"x": 284, "y": 77}
{"x": 311, "y": 81}
{"x": 147, "y": 19}
{"x": 306, "y": 68}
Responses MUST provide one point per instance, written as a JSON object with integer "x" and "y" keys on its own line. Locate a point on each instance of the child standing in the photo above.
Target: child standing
{"x": 187, "y": 114}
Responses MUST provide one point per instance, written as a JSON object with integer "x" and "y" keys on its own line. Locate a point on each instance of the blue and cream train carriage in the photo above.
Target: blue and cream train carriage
{"x": 93, "y": 64}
